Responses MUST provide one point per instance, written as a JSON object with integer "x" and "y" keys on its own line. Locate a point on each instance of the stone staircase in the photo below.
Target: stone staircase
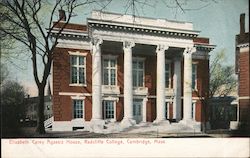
{"x": 48, "y": 123}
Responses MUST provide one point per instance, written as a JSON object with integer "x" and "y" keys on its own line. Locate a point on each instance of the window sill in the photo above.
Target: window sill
{"x": 107, "y": 89}
{"x": 169, "y": 91}
{"x": 140, "y": 90}
{"x": 77, "y": 85}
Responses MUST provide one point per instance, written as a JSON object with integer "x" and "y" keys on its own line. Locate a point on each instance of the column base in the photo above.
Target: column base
{"x": 196, "y": 126}
{"x": 97, "y": 125}
{"x": 127, "y": 122}
{"x": 161, "y": 122}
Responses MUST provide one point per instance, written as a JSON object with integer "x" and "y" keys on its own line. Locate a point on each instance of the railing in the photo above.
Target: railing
{"x": 48, "y": 122}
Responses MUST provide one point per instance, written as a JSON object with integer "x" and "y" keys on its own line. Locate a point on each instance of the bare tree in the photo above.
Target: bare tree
{"x": 222, "y": 82}
{"x": 24, "y": 23}
{"x": 222, "y": 79}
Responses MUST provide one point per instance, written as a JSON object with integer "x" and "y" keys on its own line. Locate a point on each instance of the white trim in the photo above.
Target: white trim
{"x": 167, "y": 103}
{"x": 244, "y": 97}
{"x": 109, "y": 58}
{"x": 70, "y": 31}
{"x": 194, "y": 109}
{"x": 74, "y": 94}
{"x": 77, "y": 85}
{"x": 78, "y": 53}
{"x": 77, "y": 97}
{"x": 111, "y": 98}
{"x": 143, "y": 39}
{"x": 104, "y": 112}
{"x": 244, "y": 49}
{"x": 73, "y": 44}
{"x": 142, "y": 22}
{"x": 139, "y": 59}
{"x": 73, "y": 111}
{"x": 243, "y": 45}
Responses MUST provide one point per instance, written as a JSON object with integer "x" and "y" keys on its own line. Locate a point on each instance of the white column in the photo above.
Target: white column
{"x": 177, "y": 90}
{"x": 187, "y": 85}
{"x": 96, "y": 80}
{"x": 160, "y": 91}
{"x": 128, "y": 84}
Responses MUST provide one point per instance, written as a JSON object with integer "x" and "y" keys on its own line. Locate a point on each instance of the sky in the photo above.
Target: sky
{"x": 216, "y": 19}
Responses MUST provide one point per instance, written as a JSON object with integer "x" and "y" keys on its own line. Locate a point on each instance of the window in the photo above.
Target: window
{"x": 109, "y": 72}
{"x": 193, "y": 110}
{"x": 167, "y": 110}
{"x": 137, "y": 108}
{"x": 78, "y": 69}
{"x": 78, "y": 108}
{"x": 108, "y": 109}
{"x": 138, "y": 73}
{"x": 194, "y": 76}
{"x": 167, "y": 75}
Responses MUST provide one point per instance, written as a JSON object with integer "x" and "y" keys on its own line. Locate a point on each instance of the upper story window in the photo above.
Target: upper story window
{"x": 78, "y": 69}
{"x": 109, "y": 71}
{"x": 194, "y": 76}
{"x": 167, "y": 75}
{"x": 138, "y": 73}
{"x": 77, "y": 109}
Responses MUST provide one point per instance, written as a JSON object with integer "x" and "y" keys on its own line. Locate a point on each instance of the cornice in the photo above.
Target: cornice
{"x": 158, "y": 31}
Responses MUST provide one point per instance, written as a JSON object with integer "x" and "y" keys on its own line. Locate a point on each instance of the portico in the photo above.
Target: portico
{"x": 162, "y": 39}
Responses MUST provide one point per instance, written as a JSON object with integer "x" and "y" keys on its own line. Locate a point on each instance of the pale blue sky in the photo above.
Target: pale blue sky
{"x": 218, "y": 21}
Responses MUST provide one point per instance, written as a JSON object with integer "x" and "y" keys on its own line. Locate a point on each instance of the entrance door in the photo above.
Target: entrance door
{"x": 137, "y": 110}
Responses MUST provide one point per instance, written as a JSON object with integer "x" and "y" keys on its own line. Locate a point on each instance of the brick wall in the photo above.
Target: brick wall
{"x": 62, "y": 105}
{"x": 244, "y": 74}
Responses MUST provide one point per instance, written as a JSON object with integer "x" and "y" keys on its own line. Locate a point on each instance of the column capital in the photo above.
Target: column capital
{"x": 189, "y": 50}
{"x": 96, "y": 41}
{"x": 128, "y": 44}
{"x": 161, "y": 48}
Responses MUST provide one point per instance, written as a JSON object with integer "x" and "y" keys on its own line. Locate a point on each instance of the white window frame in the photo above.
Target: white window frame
{"x": 104, "y": 109}
{"x": 138, "y": 59}
{"x": 109, "y": 57}
{"x": 194, "y": 72}
{"x": 78, "y": 54}
{"x": 167, "y": 107}
{"x": 83, "y": 108}
{"x": 193, "y": 110}
{"x": 168, "y": 62}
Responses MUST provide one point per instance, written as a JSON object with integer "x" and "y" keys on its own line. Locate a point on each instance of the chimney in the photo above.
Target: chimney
{"x": 62, "y": 15}
{"x": 242, "y": 26}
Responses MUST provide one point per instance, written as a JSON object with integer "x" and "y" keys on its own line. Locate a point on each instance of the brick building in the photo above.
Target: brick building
{"x": 243, "y": 72}
{"x": 128, "y": 70}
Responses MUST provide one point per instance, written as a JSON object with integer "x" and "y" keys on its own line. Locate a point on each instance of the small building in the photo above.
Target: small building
{"x": 128, "y": 70}
{"x": 242, "y": 67}
{"x": 31, "y": 104}
{"x": 224, "y": 112}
